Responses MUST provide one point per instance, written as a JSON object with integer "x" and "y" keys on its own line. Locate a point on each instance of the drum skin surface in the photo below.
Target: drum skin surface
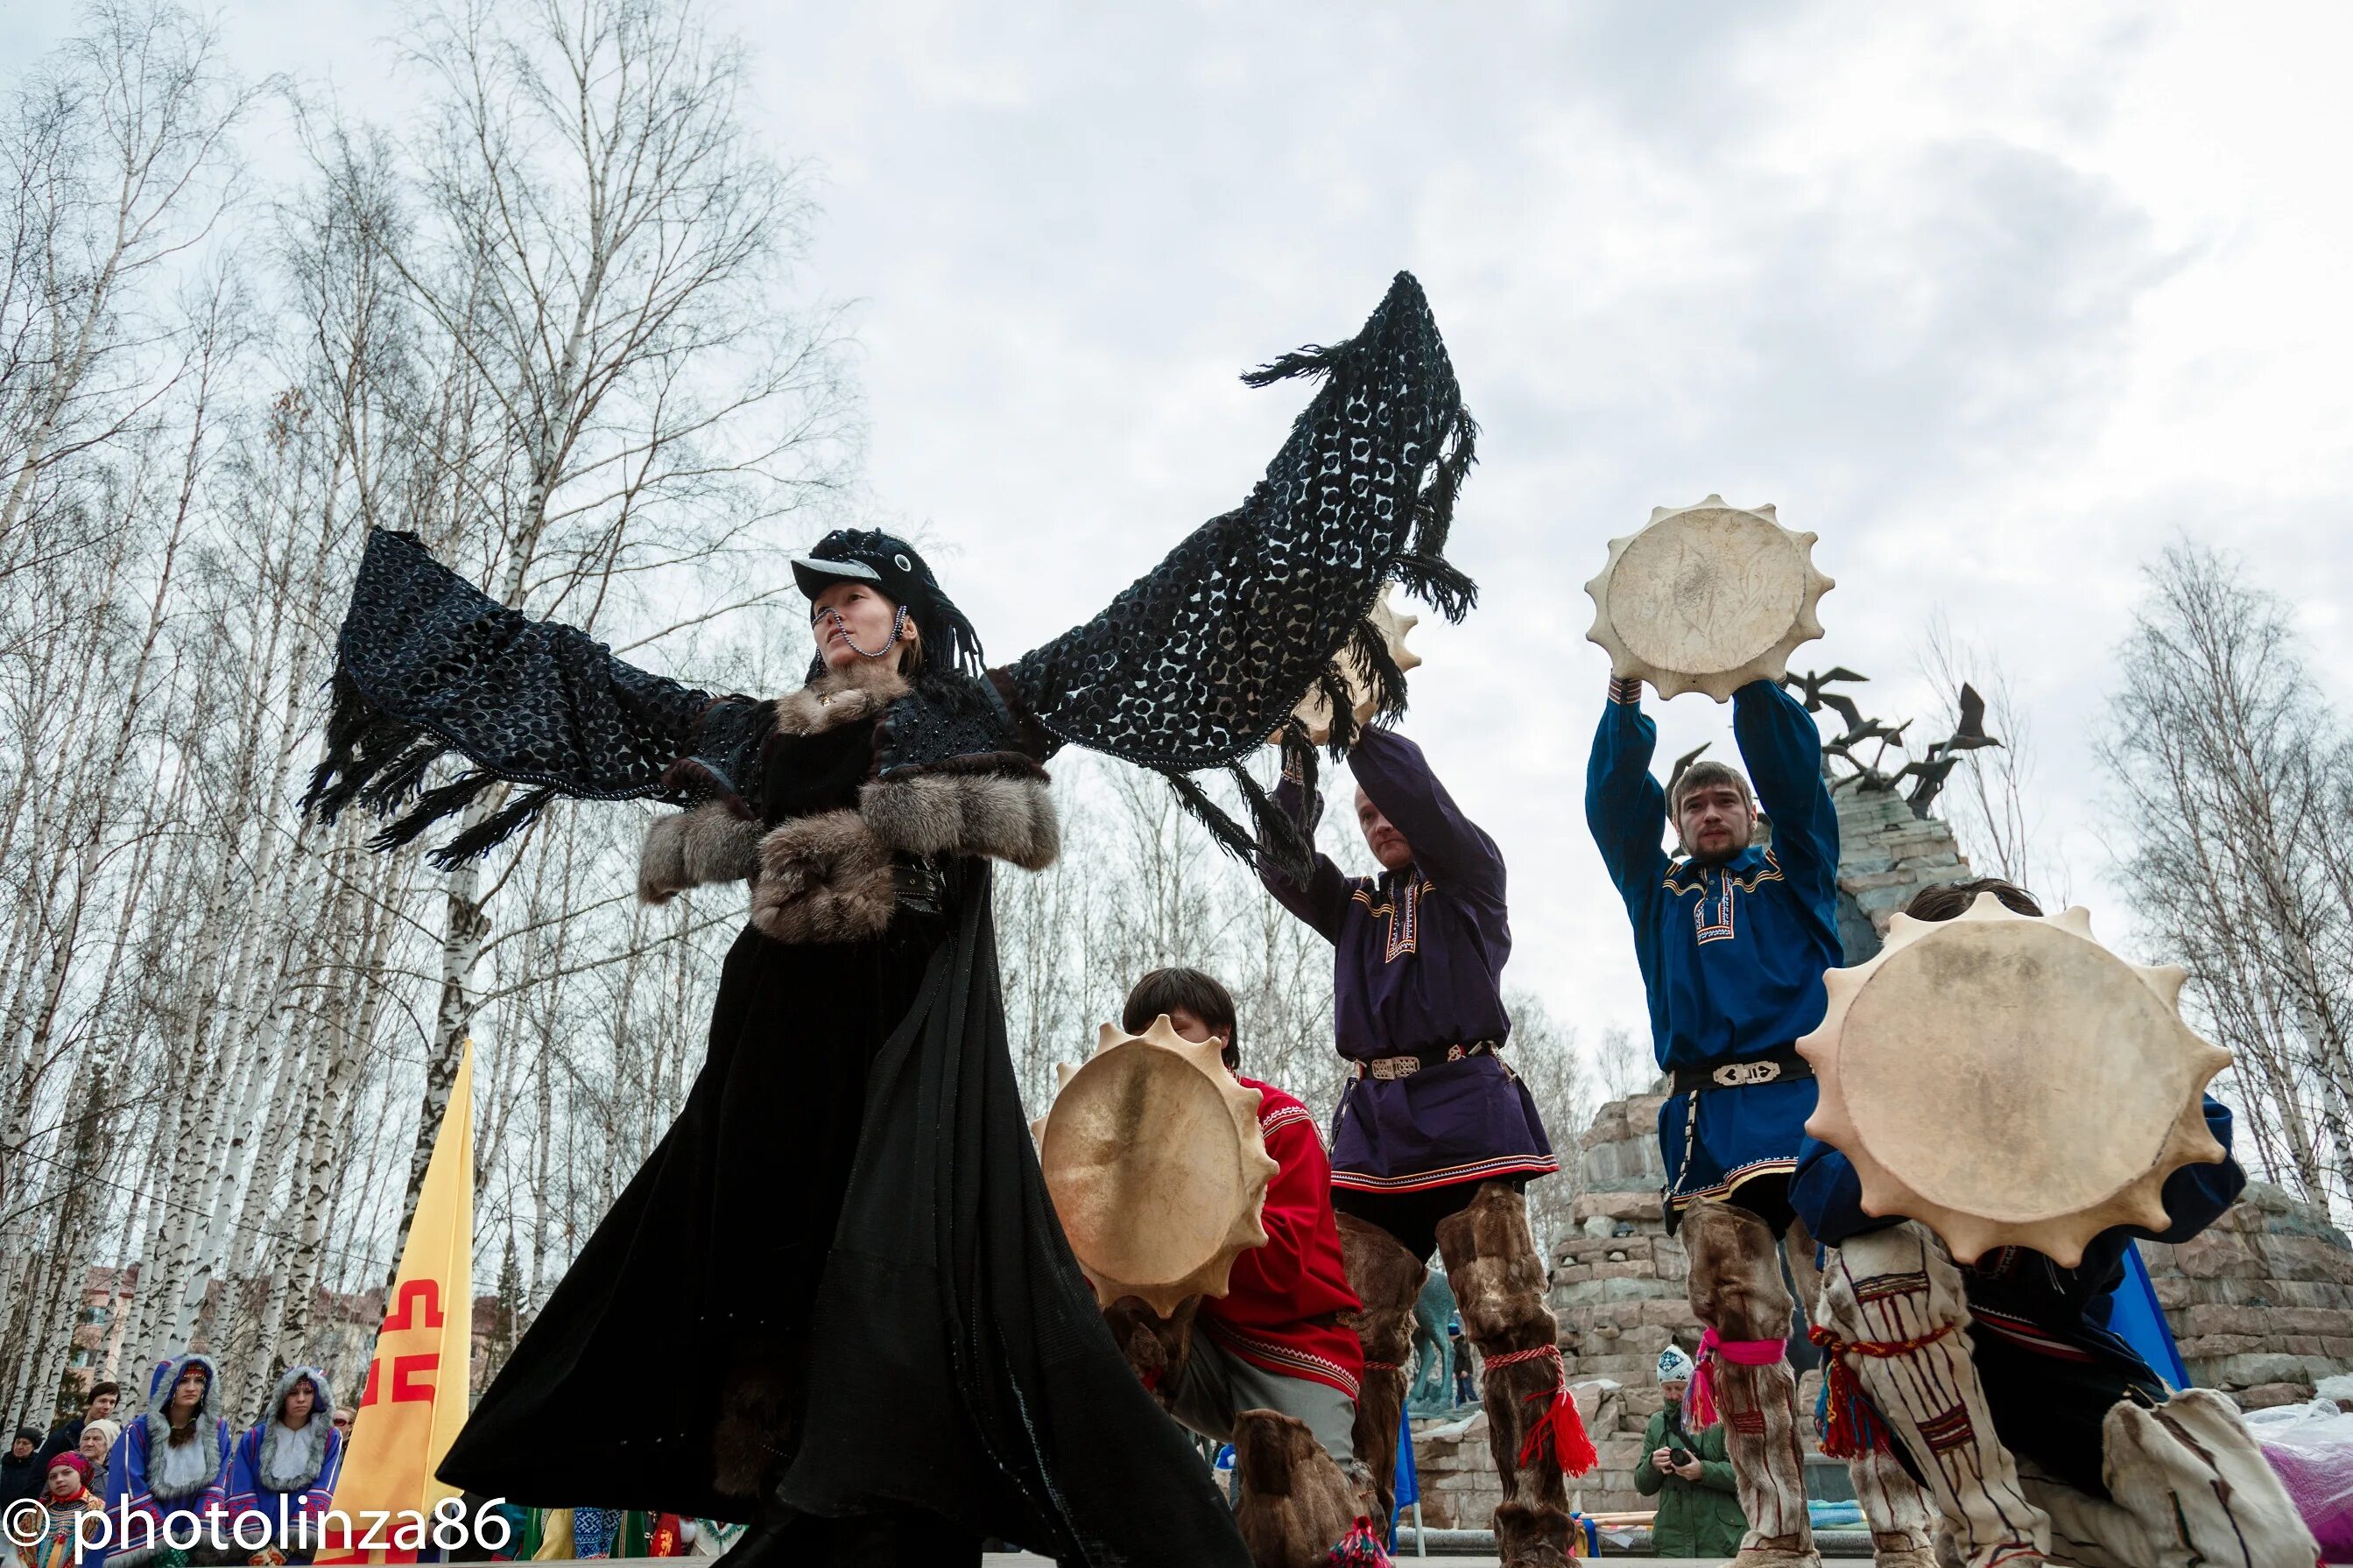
{"x": 1157, "y": 1170}
{"x": 2007, "y": 1081}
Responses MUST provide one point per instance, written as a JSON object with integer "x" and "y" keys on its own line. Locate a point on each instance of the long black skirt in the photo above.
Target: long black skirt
{"x": 842, "y": 1253}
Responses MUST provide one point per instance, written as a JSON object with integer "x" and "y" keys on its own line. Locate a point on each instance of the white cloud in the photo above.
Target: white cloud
{"x": 1994, "y": 299}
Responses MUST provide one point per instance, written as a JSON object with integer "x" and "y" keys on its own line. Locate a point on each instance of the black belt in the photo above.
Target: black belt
{"x": 1779, "y": 1065}
{"x": 1413, "y": 1062}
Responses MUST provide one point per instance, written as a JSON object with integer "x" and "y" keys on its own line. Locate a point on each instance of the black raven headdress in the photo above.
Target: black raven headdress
{"x": 1191, "y": 668}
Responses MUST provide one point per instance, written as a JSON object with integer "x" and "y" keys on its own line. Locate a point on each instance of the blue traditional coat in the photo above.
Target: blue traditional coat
{"x": 1732, "y": 956}
{"x": 1417, "y": 967}
{"x": 152, "y": 1483}
{"x": 295, "y": 1483}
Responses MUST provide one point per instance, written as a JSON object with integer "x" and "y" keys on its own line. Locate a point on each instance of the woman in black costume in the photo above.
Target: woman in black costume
{"x": 835, "y": 1301}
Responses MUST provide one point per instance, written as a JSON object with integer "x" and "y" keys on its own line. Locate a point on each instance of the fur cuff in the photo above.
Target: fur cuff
{"x": 693, "y": 849}
{"x": 823, "y": 879}
{"x": 1007, "y": 816}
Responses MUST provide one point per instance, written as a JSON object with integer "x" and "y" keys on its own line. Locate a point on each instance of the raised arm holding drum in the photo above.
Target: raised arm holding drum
{"x": 2032, "y": 1101}
{"x": 1732, "y": 940}
{"x": 1435, "y": 1137}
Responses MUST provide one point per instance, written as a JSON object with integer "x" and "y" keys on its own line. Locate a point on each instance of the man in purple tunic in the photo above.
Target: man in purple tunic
{"x": 1435, "y": 1137}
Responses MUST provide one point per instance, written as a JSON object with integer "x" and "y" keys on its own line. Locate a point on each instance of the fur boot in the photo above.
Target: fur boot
{"x": 1499, "y": 1284}
{"x": 1899, "y": 1286}
{"x": 1296, "y": 1504}
{"x": 2200, "y": 1488}
{"x": 1735, "y": 1290}
{"x": 1387, "y": 1280}
{"x": 1902, "y": 1517}
{"x": 2086, "y": 1532}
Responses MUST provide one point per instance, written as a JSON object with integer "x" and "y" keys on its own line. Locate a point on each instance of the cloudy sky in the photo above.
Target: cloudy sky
{"x": 1997, "y": 298}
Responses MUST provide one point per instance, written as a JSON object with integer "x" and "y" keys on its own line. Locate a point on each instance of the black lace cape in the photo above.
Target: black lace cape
{"x": 1191, "y": 668}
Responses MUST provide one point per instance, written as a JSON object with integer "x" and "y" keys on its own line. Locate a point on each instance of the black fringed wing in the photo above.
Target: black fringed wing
{"x": 1199, "y": 661}
{"x": 427, "y": 665}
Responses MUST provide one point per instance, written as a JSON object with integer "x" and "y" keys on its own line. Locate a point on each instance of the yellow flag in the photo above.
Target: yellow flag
{"x": 417, "y": 1393}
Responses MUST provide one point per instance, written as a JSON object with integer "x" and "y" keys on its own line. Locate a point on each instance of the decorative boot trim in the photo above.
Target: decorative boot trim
{"x": 1853, "y": 1427}
{"x": 1558, "y": 1432}
{"x": 1699, "y": 1399}
{"x": 1361, "y": 1548}
{"x": 1895, "y": 1300}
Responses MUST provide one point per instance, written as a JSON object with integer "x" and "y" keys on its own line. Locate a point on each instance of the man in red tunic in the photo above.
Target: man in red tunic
{"x": 1275, "y": 1341}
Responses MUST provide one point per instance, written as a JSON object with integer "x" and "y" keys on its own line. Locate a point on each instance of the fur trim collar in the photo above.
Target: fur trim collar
{"x": 166, "y": 1376}
{"x": 175, "y": 1472}
{"x": 292, "y": 1457}
{"x": 862, "y": 691}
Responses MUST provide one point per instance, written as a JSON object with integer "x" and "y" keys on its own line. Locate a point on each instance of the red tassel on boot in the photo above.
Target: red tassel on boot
{"x": 1850, "y": 1425}
{"x": 1559, "y": 1432}
{"x": 1699, "y": 1400}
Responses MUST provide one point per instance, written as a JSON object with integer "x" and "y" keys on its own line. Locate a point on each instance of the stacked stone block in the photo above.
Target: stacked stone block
{"x": 1886, "y": 854}
{"x": 2262, "y": 1301}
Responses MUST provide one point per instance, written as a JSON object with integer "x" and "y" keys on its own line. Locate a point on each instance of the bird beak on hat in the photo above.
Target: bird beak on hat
{"x": 815, "y": 575}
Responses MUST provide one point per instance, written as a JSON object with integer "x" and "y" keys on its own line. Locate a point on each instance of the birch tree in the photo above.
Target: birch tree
{"x": 593, "y": 244}
{"x": 2231, "y": 772}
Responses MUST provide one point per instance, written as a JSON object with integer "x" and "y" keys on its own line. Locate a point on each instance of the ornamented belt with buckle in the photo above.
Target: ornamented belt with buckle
{"x": 1775, "y": 1065}
{"x": 1406, "y": 1066}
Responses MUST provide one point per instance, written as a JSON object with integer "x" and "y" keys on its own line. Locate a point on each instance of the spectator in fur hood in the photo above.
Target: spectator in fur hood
{"x": 287, "y": 1462}
{"x": 20, "y": 1466}
{"x": 171, "y": 1461}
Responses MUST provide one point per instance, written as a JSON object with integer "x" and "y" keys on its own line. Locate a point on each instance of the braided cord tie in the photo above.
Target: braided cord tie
{"x": 1878, "y": 1350}
{"x": 1558, "y": 1434}
{"x": 1849, "y": 1424}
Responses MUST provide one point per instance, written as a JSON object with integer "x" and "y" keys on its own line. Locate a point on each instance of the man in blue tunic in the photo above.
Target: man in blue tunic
{"x": 1732, "y": 940}
{"x": 1435, "y": 1137}
{"x": 2028, "y": 1420}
